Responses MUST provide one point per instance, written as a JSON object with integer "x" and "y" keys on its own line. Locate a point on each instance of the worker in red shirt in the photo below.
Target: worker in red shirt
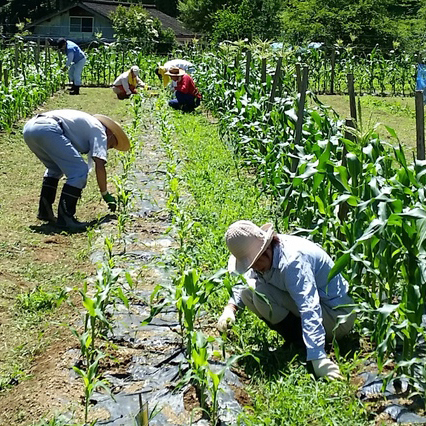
{"x": 187, "y": 95}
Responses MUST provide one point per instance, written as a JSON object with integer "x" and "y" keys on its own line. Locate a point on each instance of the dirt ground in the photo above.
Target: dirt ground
{"x": 37, "y": 354}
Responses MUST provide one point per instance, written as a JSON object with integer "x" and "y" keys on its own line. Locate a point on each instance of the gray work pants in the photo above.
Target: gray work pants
{"x": 281, "y": 303}
{"x": 45, "y": 138}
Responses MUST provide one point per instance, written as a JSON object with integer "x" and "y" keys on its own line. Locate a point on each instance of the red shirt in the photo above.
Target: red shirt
{"x": 186, "y": 85}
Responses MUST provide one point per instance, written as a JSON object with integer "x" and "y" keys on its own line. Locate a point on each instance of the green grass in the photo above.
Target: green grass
{"x": 294, "y": 397}
{"x": 397, "y": 113}
{"x": 36, "y": 263}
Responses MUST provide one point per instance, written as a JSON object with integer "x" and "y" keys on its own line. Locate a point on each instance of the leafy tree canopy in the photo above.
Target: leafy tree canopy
{"x": 133, "y": 24}
{"x": 364, "y": 23}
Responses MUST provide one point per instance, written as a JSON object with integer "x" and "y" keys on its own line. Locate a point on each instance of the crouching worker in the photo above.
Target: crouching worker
{"x": 125, "y": 84}
{"x": 187, "y": 95}
{"x": 58, "y": 138}
{"x": 161, "y": 71}
{"x": 292, "y": 274}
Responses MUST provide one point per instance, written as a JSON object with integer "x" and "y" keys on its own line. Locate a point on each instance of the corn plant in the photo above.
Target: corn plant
{"x": 91, "y": 381}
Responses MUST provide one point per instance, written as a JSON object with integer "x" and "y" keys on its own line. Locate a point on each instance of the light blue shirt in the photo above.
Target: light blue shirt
{"x": 300, "y": 268}
{"x": 74, "y": 53}
{"x": 86, "y": 133}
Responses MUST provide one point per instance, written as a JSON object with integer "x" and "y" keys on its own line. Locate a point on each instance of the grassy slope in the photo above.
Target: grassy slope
{"x": 30, "y": 253}
{"x": 398, "y": 113}
{"x": 282, "y": 392}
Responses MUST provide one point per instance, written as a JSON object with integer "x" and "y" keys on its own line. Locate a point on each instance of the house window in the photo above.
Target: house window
{"x": 80, "y": 24}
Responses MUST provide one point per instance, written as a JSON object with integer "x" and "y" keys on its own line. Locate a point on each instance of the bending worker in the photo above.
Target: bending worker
{"x": 187, "y": 95}
{"x": 161, "y": 71}
{"x": 125, "y": 84}
{"x": 75, "y": 61}
{"x": 292, "y": 274}
{"x": 58, "y": 138}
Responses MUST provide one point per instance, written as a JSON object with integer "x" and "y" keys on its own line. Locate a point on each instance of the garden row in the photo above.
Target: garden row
{"x": 358, "y": 197}
{"x": 30, "y": 72}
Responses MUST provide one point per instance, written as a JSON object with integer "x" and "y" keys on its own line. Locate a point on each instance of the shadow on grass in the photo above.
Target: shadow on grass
{"x": 52, "y": 229}
{"x": 279, "y": 356}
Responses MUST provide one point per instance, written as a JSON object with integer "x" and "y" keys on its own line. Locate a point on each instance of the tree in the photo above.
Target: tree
{"x": 198, "y": 14}
{"x": 239, "y": 19}
{"x": 367, "y": 22}
{"x": 133, "y": 24}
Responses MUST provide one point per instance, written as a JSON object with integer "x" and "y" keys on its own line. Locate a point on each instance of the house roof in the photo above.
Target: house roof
{"x": 105, "y": 7}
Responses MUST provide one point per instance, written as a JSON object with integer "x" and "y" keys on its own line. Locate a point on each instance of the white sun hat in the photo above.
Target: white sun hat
{"x": 135, "y": 69}
{"x": 247, "y": 242}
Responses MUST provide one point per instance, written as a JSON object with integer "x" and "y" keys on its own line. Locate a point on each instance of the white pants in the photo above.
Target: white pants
{"x": 279, "y": 303}
{"x": 75, "y": 71}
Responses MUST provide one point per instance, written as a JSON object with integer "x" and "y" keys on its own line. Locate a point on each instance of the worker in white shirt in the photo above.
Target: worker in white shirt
{"x": 125, "y": 84}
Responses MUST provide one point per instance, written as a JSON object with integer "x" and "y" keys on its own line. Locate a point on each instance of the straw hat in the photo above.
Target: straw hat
{"x": 247, "y": 242}
{"x": 123, "y": 143}
{"x": 175, "y": 72}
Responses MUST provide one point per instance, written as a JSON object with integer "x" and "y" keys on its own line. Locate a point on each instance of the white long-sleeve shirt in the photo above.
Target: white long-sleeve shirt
{"x": 123, "y": 80}
{"x": 300, "y": 268}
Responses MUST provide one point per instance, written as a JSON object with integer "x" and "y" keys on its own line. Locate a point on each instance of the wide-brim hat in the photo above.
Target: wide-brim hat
{"x": 175, "y": 72}
{"x": 123, "y": 143}
{"x": 247, "y": 242}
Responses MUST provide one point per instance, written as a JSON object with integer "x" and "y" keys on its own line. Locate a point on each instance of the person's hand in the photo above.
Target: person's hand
{"x": 325, "y": 367}
{"x": 111, "y": 201}
{"x": 226, "y": 320}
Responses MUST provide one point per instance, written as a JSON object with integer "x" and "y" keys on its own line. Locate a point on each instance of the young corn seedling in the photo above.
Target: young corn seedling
{"x": 92, "y": 382}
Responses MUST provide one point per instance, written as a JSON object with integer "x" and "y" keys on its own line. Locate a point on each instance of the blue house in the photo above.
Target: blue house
{"x": 83, "y": 20}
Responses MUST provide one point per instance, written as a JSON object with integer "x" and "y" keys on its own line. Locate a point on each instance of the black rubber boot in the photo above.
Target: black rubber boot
{"x": 47, "y": 198}
{"x": 66, "y": 209}
{"x": 290, "y": 328}
{"x": 75, "y": 91}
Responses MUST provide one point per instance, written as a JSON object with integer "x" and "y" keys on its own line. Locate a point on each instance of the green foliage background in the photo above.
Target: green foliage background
{"x": 365, "y": 23}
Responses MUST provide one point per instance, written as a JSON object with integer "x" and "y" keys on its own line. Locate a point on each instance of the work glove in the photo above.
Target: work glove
{"x": 325, "y": 367}
{"x": 111, "y": 201}
{"x": 226, "y": 320}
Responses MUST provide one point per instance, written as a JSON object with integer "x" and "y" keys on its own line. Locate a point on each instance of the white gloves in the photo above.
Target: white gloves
{"x": 226, "y": 320}
{"x": 324, "y": 367}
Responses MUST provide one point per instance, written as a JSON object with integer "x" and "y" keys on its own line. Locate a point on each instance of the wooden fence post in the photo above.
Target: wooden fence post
{"x": 275, "y": 82}
{"x": 333, "y": 70}
{"x": 420, "y": 125}
{"x": 300, "y": 115}
{"x": 344, "y": 207}
{"x": 263, "y": 71}
{"x": 23, "y": 64}
{"x": 46, "y": 43}
{"x": 298, "y": 77}
{"x": 248, "y": 62}
{"x": 352, "y": 102}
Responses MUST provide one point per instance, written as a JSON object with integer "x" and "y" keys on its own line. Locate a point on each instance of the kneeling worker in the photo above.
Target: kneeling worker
{"x": 58, "y": 138}
{"x": 187, "y": 95}
{"x": 299, "y": 302}
{"x": 125, "y": 84}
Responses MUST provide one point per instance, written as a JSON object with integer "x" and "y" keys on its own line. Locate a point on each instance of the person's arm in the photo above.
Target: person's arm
{"x": 70, "y": 58}
{"x": 101, "y": 177}
{"x": 186, "y": 85}
{"x": 235, "y": 302}
{"x": 140, "y": 82}
{"x": 301, "y": 285}
{"x": 101, "y": 174}
{"x": 227, "y": 318}
{"x": 126, "y": 87}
